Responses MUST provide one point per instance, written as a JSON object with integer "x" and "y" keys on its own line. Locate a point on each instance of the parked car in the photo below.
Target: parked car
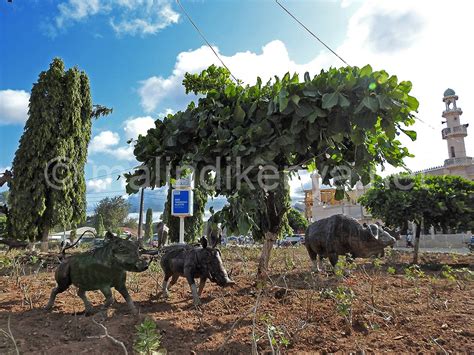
{"x": 89, "y": 241}
{"x": 292, "y": 240}
{"x": 470, "y": 244}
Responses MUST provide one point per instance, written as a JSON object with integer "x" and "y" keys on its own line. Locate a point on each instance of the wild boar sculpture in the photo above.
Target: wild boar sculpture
{"x": 100, "y": 269}
{"x": 192, "y": 262}
{"x": 341, "y": 235}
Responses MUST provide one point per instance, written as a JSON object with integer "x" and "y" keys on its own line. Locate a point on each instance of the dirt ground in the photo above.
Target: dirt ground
{"x": 369, "y": 306}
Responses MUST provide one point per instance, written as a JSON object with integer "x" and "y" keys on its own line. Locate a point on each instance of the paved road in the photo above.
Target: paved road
{"x": 463, "y": 251}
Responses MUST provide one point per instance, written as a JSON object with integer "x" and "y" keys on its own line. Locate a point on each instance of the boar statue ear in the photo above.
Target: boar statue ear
{"x": 374, "y": 230}
{"x": 204, "y": 242}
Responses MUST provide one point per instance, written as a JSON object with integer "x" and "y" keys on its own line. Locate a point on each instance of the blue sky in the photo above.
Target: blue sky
{"x": 136, "y": 51}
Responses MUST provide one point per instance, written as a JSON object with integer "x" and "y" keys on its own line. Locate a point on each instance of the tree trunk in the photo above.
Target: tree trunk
{"x": 417, "y": 243}
{"x": 262, "y": 270}
{"x": 44, "y": 239}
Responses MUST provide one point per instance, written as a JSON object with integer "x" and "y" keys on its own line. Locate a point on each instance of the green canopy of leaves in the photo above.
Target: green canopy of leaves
{"x": 297, "y": 220}
{"x": 439, "y": 201}
{"x": 114, "y": 211}
{"x": 345, "y": 119}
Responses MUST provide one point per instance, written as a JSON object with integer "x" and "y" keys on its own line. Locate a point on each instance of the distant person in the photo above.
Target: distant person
{"x": 409, "y": 240}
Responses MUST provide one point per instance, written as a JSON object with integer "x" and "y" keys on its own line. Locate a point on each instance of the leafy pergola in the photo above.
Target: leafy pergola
{"x": 341, "y": 121}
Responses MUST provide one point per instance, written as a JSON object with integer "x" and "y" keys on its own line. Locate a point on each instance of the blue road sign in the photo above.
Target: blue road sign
{"x": 182, "y": 203}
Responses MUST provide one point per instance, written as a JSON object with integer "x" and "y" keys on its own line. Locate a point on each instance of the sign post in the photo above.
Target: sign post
{"x": 182, "y": 204}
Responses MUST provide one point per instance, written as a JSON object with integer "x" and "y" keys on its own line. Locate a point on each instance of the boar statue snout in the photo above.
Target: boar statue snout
{"x": 141, "y": 265}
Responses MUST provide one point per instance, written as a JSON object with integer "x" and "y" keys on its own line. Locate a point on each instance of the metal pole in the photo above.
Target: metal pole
{"x": 181, "y": 230}
{"x": 140, "y": 216}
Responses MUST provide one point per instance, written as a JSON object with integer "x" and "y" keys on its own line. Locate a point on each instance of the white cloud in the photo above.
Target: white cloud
{"x": 414, "y": 40}
{"x": 107, "y": 141}
{"x": 98, "y": 185}
{"x": 138, "y": 126}
{"x": 133, "y": 17}
{"x": 123, "y": 153}
{"x": 104, "y": 141}
{"x": 246, "y": 66}
{"x": 13, "y": 106}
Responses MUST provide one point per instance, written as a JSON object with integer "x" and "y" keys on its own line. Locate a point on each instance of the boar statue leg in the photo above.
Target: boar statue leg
{"x": 315, "y": 259}
{"x": 333, "y": 258}
{"x": 202, "y": 282}
{"x": 167, "y": 285}
{"x": 63, "y": 282}
{"x": 194, "y": 290}
{"x": 109, "y": 300}
{"x": 122, "y": 289}
{"x": 88, "y": 306}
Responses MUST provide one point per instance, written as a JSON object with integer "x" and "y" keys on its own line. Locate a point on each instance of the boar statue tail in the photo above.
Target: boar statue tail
{"x": 66, "y": 247}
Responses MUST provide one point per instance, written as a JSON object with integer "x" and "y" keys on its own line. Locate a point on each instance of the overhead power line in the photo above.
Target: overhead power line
{"x": 205, "y": 40}
{"x": 310, "y": 32}
{"x": 116, "y": 173}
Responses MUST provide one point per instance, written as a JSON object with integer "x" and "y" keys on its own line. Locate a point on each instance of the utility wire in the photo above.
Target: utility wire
{"x": 114, "y": 173}
{"x": 205, "y": 40}
{"x": 310, "y": 32}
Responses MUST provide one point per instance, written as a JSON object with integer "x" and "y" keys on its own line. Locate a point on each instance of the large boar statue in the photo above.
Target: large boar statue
{"x": 192, "y": 262}
{"x": 341, "y": 235}
{"x": 100, "y": 269}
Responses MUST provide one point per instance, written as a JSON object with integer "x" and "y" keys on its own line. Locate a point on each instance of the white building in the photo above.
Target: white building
{"x": 320, "y": 201}
{"x": 457, "y": 163}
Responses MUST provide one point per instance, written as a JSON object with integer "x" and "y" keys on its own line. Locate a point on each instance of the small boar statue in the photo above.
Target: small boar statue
{"x": 100, "y": 269}
{"x": 341, "y": 235}
{"x": 192, "y": 262}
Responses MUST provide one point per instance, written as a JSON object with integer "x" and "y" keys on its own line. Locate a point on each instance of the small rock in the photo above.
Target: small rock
{"x": 398, "y": 337}
{"x": 441, "y": 341}
{"x": 280, "y": 293}
{"x": 444, "y": 326}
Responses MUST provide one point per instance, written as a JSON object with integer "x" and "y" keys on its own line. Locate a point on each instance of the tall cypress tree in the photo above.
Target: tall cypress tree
{"x": 149, "y": 224}
{"x": 48, "y": 187}
{"x": 99, "y": 225}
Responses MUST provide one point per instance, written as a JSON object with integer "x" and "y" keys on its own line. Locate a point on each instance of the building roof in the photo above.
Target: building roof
{"x": 449, "y": 92}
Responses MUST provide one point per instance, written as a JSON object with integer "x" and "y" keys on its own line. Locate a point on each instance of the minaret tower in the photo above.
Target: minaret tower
{"x": 455, "y": 132}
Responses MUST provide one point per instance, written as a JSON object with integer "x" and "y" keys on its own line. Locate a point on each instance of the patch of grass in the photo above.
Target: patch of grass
{"x": 447, "y": 272}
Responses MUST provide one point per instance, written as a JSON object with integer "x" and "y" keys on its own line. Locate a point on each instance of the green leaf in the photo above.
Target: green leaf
{"x": 411, "y": 134}
{"x": 370, "y": 102}
{"x": 239, "y": 114}
{"x": 330, "y": 100}
{"x": 295, "y": 99}
{"x": 366, "y": 71}
{"x": 315, "y": 114}
{"x": 310, "y": 93}
{"x": 304, "y": 109}
{"x": 252, "y": 109}
{"x": 384, "y": 102}
{"x": 413, "y": 103}
{"x": 365, "y": 121}
{"x": 312, "y": 117}
{"x": 282, "y": 102}
{"x": 343, "y": 101}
